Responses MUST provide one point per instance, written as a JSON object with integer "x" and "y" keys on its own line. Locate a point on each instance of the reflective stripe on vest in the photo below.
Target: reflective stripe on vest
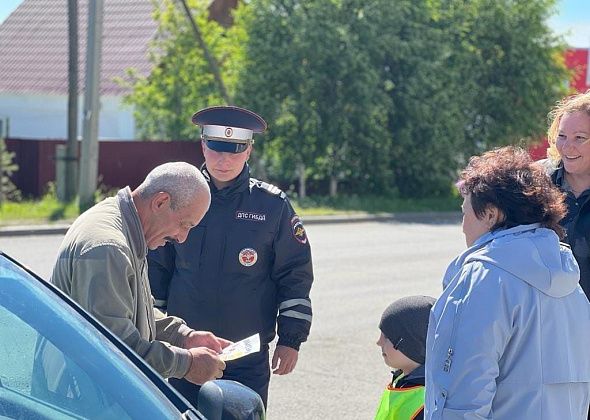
{"x": 400, "y": 403}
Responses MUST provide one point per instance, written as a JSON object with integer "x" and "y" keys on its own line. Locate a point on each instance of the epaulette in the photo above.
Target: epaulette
{"x": 269, "y": 188}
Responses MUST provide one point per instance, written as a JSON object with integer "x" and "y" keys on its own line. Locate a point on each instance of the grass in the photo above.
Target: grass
{"x": 322, "y": 206}
{"x": 49, "y": 209}
{"x": 46, "y": 210}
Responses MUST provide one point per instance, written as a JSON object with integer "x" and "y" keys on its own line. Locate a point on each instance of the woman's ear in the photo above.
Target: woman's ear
{"x": 493, "y": 216}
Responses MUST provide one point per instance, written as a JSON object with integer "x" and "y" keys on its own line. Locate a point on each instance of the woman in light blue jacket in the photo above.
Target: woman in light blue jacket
{"x": 509, "y": 338}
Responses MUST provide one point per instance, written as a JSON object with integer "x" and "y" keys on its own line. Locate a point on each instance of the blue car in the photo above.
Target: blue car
{"x": 58, "y": 362}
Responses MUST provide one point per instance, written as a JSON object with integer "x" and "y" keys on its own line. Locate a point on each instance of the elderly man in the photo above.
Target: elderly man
{"x": 102, "y": 265}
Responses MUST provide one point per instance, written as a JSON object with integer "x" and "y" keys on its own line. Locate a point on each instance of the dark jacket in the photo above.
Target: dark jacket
{"x": 577, "y": 225}
{"x": 247, "y": 261}
{"x": 414, "y": 378}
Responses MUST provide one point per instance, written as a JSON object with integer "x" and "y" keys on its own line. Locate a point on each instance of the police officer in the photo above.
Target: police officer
{"x": 246, "y": 268}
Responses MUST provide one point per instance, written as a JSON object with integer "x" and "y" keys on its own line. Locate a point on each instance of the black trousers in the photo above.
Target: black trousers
{"x": 252, "y": 371}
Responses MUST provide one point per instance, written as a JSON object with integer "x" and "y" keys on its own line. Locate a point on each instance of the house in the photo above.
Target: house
{"x": 34, "y": 89}
{"x": 34, "y": 66}
{"x": 578, "y": 60}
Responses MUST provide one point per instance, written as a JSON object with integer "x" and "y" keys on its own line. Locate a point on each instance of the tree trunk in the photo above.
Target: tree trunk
{"x": 301, "y": 174}
{"x": 333, "y": 185}
{"x": 89, "y": 153}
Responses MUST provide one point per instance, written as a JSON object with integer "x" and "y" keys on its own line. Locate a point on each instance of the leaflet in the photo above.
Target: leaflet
{"x": 241, "y": 348}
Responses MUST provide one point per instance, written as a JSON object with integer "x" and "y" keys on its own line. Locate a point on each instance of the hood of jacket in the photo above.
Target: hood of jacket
{"x": 530, "y": 252}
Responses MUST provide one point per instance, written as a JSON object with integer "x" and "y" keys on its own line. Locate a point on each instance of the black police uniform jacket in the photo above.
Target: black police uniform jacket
{"x": 577, "y": 226}
{"x": 244, "y": 269}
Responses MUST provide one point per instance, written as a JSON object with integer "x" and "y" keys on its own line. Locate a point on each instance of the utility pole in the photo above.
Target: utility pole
{"x": 2, "y": 154}
{"x": 89, "y": 155}
{"x": 71, "y": 163}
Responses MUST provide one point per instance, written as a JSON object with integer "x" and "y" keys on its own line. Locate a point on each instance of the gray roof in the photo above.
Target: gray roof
{"x": 34, "y": 45}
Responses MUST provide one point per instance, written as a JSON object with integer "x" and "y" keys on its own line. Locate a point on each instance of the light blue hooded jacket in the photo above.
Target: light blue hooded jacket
{"x": 509, "y": 338}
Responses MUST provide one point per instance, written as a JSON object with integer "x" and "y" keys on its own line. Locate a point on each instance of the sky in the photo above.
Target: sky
{"x": 571, "y": 20}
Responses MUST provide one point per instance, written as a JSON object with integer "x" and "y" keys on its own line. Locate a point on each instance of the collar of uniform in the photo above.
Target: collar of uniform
{"x": 240, "y": 184}
{"x": 130, "y": 218}
{"x": 559, "y": 175}
{"x": 562, "y": 183}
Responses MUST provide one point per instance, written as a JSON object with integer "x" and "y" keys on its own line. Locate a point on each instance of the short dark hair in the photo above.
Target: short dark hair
{"x": 508, "y": 179}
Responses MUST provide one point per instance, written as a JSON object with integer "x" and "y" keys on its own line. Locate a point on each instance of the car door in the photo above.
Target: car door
{"x": 56, "y": 361}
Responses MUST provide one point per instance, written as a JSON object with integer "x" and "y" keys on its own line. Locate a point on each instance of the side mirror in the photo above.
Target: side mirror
{"x": 223, "y": 399}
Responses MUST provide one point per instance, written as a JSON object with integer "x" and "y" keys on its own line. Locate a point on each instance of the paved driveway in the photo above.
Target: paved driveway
{"x": 359, "y": 268}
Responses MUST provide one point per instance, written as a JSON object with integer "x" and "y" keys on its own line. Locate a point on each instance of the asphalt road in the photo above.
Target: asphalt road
{"x": 359, "y": 269}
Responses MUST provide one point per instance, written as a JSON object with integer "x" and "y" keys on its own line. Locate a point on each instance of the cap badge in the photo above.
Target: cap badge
{"x": 248, "y": 257}
{"x": 228, "y": 132}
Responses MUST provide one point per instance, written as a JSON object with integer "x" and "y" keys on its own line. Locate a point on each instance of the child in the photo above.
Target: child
{"x": 403, "y": 344}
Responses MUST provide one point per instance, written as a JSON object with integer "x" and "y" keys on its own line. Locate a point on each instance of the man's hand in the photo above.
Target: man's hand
{"x": 205, "y": 339}
{"x": 285, "y": 358}
{"x": 205, "y": 366}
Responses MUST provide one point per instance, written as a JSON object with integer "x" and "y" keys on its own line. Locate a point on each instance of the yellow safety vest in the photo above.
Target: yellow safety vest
{"x": 400, "y": 403}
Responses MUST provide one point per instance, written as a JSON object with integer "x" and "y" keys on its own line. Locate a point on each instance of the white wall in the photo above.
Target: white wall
{"x": 45, "y": 116}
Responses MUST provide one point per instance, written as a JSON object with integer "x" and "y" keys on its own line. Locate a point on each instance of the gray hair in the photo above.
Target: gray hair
{"x": 181, "y": 180}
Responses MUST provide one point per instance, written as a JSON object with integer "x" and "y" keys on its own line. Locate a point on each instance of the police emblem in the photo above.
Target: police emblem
{"x": 248, "y": 257}
{"x": 298, "y": 230}
{"x": 228, "y": 132}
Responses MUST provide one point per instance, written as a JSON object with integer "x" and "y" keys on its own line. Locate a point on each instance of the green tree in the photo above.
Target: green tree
{"x": 308, "y": 73}
{"x": 8, "y": 190}
{"x": 466, "y": 77}
{"x": 511, "y": 66}
{"x": 181, "y": 81}
{"x": 364, "y": 96}
{"x": 412, "y": 50}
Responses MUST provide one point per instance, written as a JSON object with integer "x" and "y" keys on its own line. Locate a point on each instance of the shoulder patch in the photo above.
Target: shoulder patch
{"x": 269, "y": 188}
{"x": 298, "y": 230}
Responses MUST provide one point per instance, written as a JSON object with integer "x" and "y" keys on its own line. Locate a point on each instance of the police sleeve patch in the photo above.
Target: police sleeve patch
{"x": 298, "y": 229}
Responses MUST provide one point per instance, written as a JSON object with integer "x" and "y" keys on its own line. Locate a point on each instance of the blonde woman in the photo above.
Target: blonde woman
{"x": 569, "y": 158}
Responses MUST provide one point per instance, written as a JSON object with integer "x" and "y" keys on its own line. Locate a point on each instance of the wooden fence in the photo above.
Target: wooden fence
{"x": 120, "y": 163}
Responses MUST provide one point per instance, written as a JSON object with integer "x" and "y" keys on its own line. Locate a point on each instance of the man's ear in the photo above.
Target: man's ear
{"x": 160, "y": 201}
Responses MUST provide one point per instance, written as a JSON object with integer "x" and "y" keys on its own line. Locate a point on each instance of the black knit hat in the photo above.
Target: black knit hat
{"x": 405, "y": 324}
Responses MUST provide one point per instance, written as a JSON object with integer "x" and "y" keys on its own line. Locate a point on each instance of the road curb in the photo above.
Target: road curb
{"x": 425, "y": 217}
{"x": 26, "y": 230}
{"x": 410, "y": 217}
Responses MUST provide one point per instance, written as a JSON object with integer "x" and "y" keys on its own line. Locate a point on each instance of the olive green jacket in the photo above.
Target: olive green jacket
{"x": 102, "y": 265}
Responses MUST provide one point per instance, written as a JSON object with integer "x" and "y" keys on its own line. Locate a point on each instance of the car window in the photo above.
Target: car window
{"x": 54, "y": 364}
